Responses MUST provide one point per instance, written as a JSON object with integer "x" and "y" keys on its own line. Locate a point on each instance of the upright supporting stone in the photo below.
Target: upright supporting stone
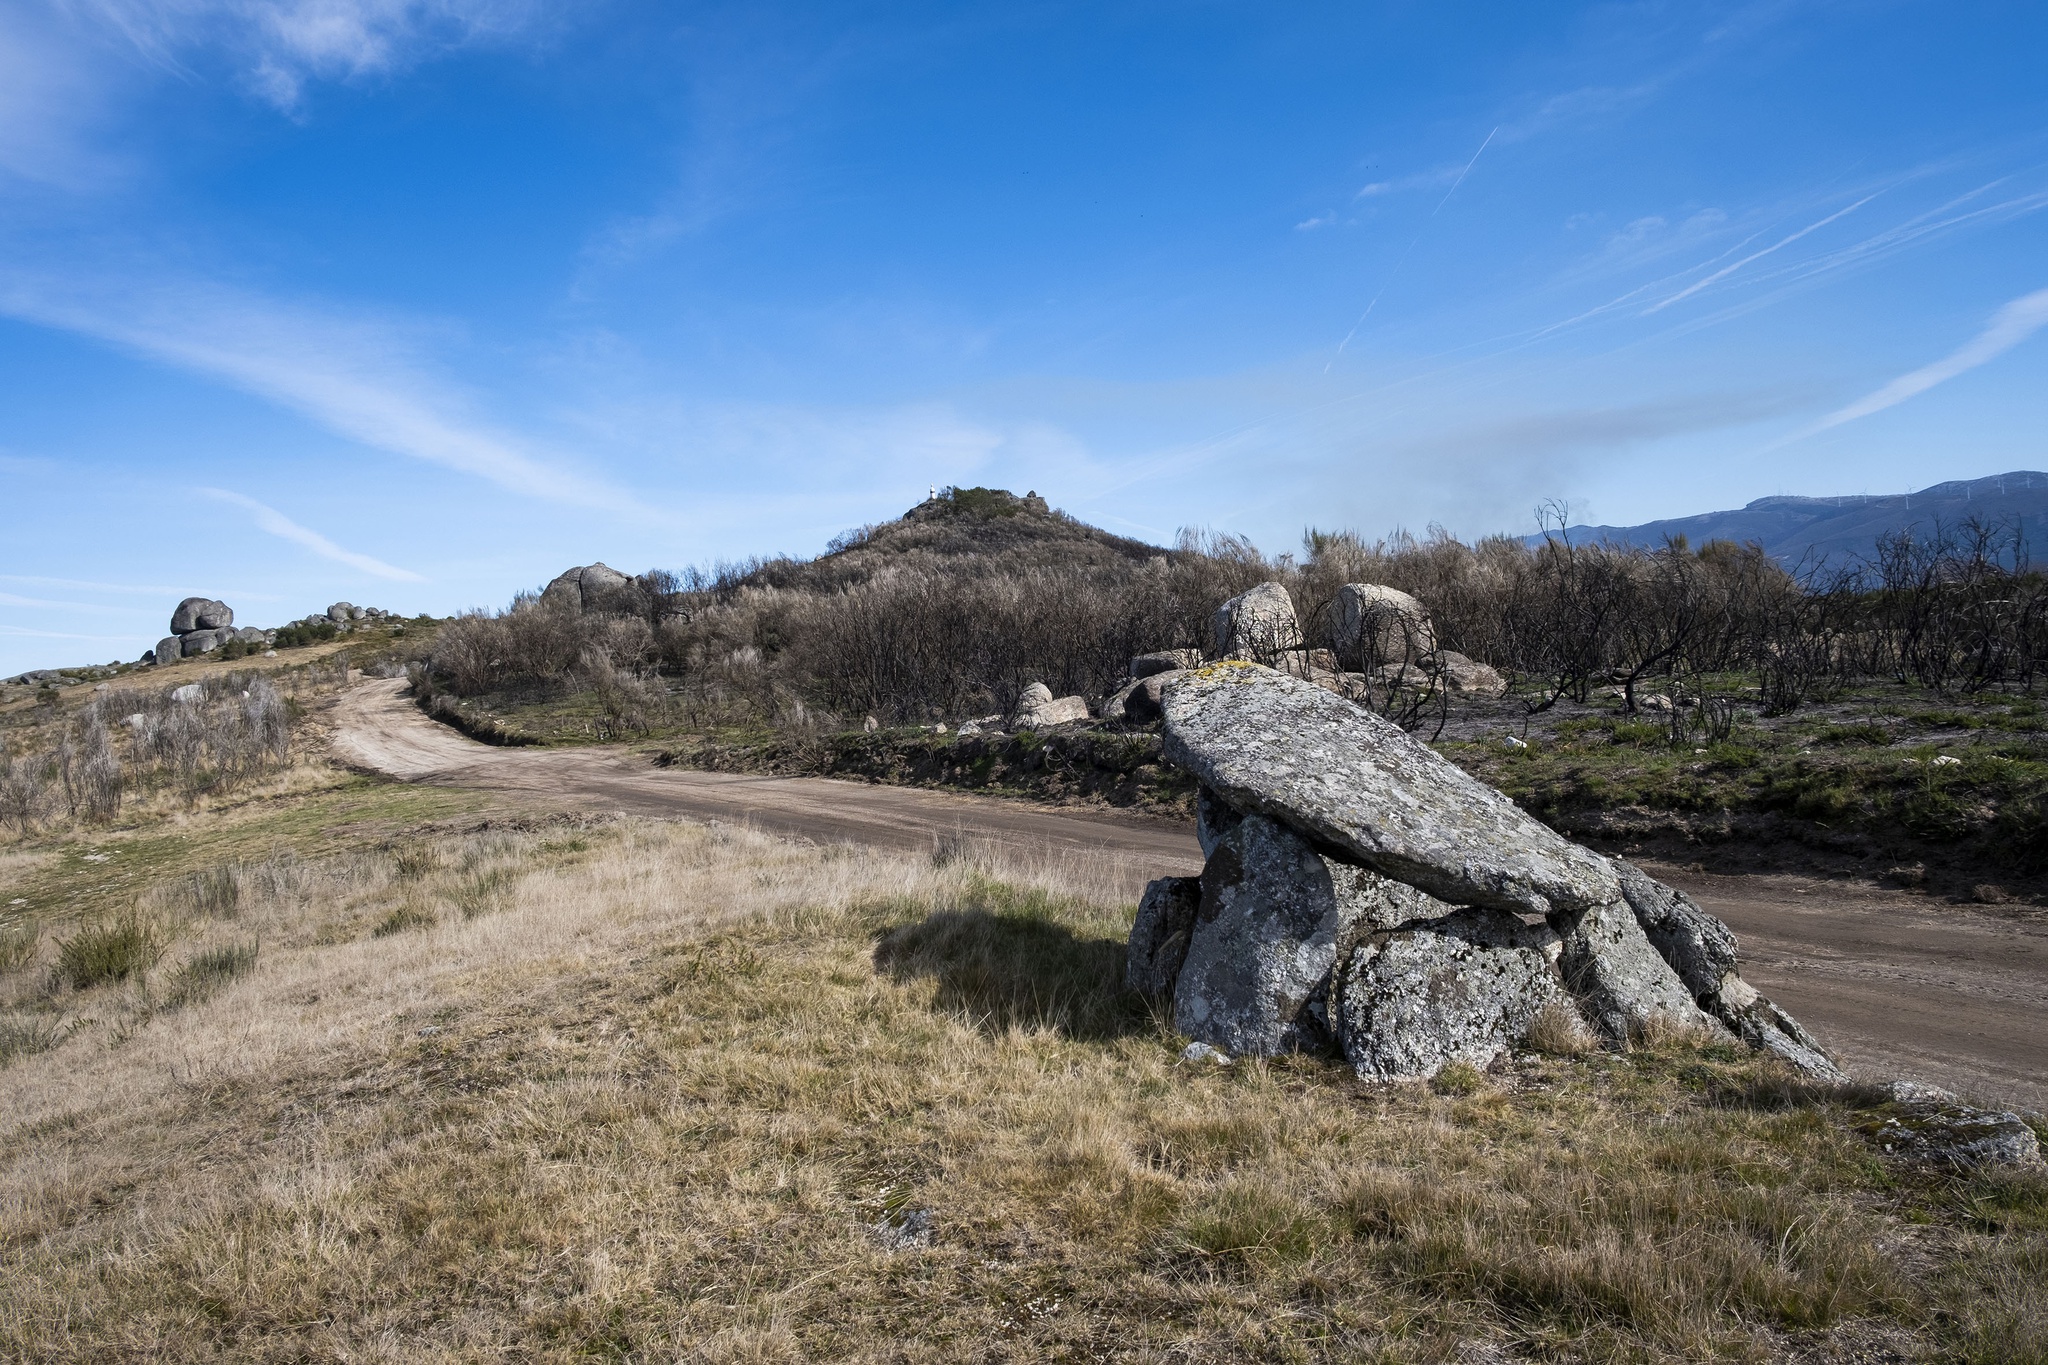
{"x": 1276, "y": 915}
{"x": 1626, "y": 987}
{"x": 1159, "y": 935}
{"x": 1463, "y": 988}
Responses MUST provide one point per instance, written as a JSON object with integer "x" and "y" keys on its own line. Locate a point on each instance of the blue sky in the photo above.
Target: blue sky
{"x": 415, "y": 304}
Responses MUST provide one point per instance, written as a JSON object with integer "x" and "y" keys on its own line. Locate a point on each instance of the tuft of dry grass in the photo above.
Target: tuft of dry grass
{"x": 694, "y": 1094}
{"x": 1559, "y": 1030}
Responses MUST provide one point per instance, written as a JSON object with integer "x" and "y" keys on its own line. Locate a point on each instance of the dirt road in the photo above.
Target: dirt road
{"x": 1897, "y": 985}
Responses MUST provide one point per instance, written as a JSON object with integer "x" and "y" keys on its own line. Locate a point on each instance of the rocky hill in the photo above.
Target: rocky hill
{"x": 974, "y": 530}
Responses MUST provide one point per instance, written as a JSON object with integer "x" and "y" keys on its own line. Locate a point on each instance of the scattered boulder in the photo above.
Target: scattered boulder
{"x": 582, "y": 589}
{"x": 201, "y": 641}
{"x": 1378, "y": 625}
{"x": 169, "y": 650}
{"x": 1469, "y": 677}
{"x": 1139, "y": 702}
{"x": 341, "y": 613}
{"x": 1930, "y": 1126}
{"x": 1038, "y": 709}
{"x": 201, "y": 613}
{"x": 1258, "y": 624}
{"x": 1165, "y": 661}
{"x": 188, "y": 694}
{"x": 1418, "y": 676}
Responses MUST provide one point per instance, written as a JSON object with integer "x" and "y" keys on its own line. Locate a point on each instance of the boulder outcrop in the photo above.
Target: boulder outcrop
{"x": 1038, "y": 709}
{"x": 584, "y": 588}
{"x": 1258, "y": 624}
{"x": 1165, "y": 661}
{"x": 1363, "y": 895}
{"x": 201, "y": 625}
{"x": 1376, "y": 625}
{"x": 201, "y": 613}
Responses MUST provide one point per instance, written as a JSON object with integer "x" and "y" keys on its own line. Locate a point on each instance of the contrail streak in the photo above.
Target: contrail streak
{"x": 1411, "y": 247}
{"x": 1725, "y": 271}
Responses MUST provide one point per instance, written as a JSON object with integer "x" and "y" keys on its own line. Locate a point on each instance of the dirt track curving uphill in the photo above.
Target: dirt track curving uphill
{"x": 1896, "y": 984}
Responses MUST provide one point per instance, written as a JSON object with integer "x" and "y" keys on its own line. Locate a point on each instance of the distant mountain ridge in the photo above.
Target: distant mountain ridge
{"x": 1792, "y": 529}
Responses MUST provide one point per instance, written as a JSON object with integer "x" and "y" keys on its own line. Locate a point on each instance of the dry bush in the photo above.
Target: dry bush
{"x": 24, "y": 789}
{"x": 954, "y": 612}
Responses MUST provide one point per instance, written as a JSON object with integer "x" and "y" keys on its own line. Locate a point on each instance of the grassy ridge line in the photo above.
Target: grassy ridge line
{"x": 646, "y": 1091}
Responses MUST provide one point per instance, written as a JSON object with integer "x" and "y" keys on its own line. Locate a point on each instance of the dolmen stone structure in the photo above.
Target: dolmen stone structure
{"x": 1364, "y": 896}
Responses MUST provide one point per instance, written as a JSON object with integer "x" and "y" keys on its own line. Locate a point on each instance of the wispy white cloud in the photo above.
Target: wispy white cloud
{"x": 1643, "y": 242}
{"x": 65, "y": 635}
{"x": 365, "y": 379}
{"x": 53, "y": 92}
{"x": 282, "y": 44}
{"x": 278, "y": 524}
{"x": 1919, "y": 230}
{"x": 2008, "y": 327}
{"x": 8, "y": 599}
{"x": 1420, "y": 180}
{"x": 139, "y": 589}
{"x": 1320, "y": 220}
{"x": 67, "y": 67}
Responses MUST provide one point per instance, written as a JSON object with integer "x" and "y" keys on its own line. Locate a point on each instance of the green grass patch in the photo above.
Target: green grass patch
{"x": 118, "y": 949}
{"x": 203, "y": 974}
{"x": 18, "y": 944}
{"x": 404, "y": 918}
{"x": 27, "y": 1035}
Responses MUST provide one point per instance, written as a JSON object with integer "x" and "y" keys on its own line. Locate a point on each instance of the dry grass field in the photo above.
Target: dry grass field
{"x": 386, "y": 1082}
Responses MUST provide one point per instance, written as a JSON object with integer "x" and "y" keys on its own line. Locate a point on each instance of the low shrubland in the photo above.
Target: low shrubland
{"x": 168, "y": 745}
{"x": 953, "y": 610}
{"x": 1810, "y": 691}
{"x": 632, "y": 1090}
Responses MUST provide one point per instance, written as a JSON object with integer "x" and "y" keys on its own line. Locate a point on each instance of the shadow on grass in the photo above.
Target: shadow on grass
{"x": 1017, "y": 969}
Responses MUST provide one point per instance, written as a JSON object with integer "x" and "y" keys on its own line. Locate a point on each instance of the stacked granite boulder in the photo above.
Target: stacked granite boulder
{"x": 1364, "y": 896}
{"x": 201, "y": 625}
